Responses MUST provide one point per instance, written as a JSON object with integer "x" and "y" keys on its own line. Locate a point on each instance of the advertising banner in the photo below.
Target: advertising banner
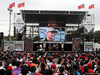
{"x": 76, "y": 44}
{"x": 88, "y": 46}
{"x": 89, "y": 22}
{"x": 19, "y": 23}
{"x": 18, "y": 45}
{"x": 89, "y": 27}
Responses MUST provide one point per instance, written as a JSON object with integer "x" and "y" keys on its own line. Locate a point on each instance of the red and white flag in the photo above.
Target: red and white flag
{"x": 21, "y": 5}
{"x": 81, "y": 6}
{"x": 12, "y": 5}
{"x": 91, "y": 6}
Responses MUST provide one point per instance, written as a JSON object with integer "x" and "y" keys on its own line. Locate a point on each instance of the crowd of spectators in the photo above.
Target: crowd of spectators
{"x": 31, "y": 63}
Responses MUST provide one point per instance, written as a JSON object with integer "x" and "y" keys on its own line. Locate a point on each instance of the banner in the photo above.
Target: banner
{"x": 88, "y": 46}
{"x": 18, "y": 45}
{"x": 76, "y": 44}
{"x": 19, "y": 23}
{"x": 89, "y": 22}
{"x": 89, "y": 27}
{"x": 12, "y": 5}
{"x": 91, "y": 6}
{"x": 81, "y": 6}
{"x": 21, "y": 5}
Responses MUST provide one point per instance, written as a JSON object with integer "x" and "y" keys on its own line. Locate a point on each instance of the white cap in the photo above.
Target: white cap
{"x": 51, "y": 30}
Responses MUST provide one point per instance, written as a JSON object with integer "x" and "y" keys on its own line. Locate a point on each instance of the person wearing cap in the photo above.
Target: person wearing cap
{"x": 50, "y": 33}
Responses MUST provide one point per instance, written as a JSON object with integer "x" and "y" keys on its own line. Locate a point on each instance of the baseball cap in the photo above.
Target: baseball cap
{"x": 38, "y": 74}
{"x": 32, "y": 65}
{"x": 51, "y": 30}
{"x": 53, "y": 66}
{"x": 90, "y": 65}
{"x": 10, "y": 67}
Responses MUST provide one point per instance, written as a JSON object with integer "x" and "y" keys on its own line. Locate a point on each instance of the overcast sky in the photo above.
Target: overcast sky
{"x": 65, "y": 5}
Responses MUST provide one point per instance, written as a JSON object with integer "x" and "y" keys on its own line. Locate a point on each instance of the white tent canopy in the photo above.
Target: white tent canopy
{"x": 96, "y": 45}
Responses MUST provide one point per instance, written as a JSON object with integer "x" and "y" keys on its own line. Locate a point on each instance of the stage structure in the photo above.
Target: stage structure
{"x": 68, "y": 24}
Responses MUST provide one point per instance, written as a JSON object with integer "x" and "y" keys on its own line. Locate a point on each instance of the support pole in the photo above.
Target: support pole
{"x": 10, "y": 11}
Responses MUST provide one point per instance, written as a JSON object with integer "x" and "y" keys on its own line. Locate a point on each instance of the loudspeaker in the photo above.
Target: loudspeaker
{"x": 19, "y": 36}
{"x": 0, "y": 42}
{"x": 1, "y": 35}
{"x": 87, "y": 38}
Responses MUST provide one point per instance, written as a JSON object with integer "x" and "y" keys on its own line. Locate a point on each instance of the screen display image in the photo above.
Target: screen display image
{"x": 52, "y": 34}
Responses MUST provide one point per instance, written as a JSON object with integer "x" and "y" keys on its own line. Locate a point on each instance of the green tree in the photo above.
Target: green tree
{"x": 97, "y": 36}
{"x": 7, "y": 38}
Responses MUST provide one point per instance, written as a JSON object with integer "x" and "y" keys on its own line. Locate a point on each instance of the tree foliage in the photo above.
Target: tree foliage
{"x": 7, "y": 38}
{"x": 97, "y": 36}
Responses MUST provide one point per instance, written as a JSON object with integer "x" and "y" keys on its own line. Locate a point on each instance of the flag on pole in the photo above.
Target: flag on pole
{"x": 81, "y": 6}
{"x": 91, "y": 6}
{"x": 21, "y": 5}
{"x": 12, "y": 5}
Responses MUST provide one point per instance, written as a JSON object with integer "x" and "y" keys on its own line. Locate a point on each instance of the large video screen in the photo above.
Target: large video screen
{"x": 52, "y": 34}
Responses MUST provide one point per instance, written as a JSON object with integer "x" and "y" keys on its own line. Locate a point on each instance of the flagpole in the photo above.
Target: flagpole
{"x": 10, "y": 12}
{"x": 94, "y": 23}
